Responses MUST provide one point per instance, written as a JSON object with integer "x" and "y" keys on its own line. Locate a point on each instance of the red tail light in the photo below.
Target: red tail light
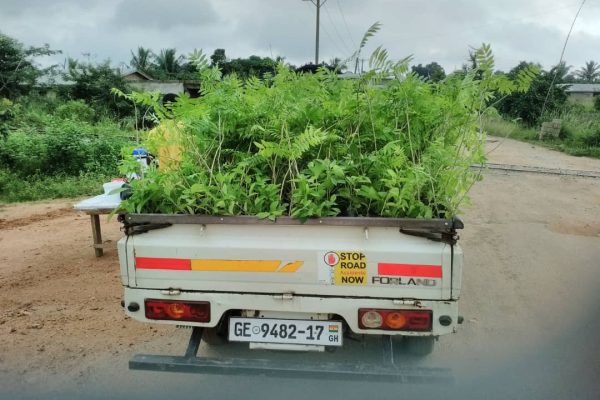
{"x": 193, "y": 311}
{"x": 395, "y": 320}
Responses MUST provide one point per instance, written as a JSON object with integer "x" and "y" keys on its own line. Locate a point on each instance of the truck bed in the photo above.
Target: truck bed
{"x": 342, "y": 257}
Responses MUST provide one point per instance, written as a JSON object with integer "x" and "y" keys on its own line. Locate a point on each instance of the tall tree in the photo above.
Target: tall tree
{"x": 18, "y": 71}
{"x": 251, "y": 66}
{"x": 432, "y": 71}
{"x": 589, "y": 73}
{"x": 218, "y": 57}
{"x": 168, "y": 62}
{"x": 141, "y": 59}
{"x": 92, "y": 83}
{"x": 528, "y": 106}
{"x": 338, "y": 64}
{"x": 562, "y": 71}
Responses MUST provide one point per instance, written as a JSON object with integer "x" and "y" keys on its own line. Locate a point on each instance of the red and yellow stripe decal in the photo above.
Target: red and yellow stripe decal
{"x": 418, "y": 270}
{"x": 162, "y": 263}
{"x": 179, "y": 264}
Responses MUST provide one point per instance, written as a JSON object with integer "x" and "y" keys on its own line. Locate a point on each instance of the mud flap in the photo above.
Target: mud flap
{"x": 385, "y": 371}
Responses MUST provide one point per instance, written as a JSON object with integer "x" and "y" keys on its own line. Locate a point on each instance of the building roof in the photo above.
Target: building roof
{"x": 136, "y": 72}
{"x": 51, "y": 80}
{"x": 583, "y": 88}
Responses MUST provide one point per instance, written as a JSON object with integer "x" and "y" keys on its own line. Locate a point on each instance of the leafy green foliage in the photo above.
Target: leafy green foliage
{"x": 432, "y": 71}
{"x": 63, "y": 146}
{"x": 18, "y": 71}
{"x": 579, "y": 136}
{"x": 198, "y": 59}
{"x": 243, "y": 67}
{"x": 75, "y": 110}
{"x": 55, "y": 149}
{"x": 528, "y": 105}
{"x": 45, "y": 139}
{"x": 168, "y": 62}
{"x": 373, "y": 29}
{"x": 164, "y": 65}
{"x": 589, "y": 73}
{"x": 311, "y": 145}
{"x": 6, "y": 116}
{"x": 93, "y": 83}
{"x": 141, "y": 60}
{"x": 14, "y": 188}
{"x": 218, "y": 57}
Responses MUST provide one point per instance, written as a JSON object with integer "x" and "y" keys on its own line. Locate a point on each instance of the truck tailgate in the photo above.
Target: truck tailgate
{"x": 353, "y": 261}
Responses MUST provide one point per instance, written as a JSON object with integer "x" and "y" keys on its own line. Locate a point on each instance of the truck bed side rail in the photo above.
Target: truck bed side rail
{"x": 407, "y": 225}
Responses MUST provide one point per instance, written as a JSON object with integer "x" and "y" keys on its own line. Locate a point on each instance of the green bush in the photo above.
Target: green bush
{"x": 597, "y": 103}
{"x": 583, "y": 123}
{"x": 34, "y": 112}
{"x": 14, "y": 187}
{"x": 592, "y": 139}
{"x": 24, "y": 152}
{"x": 579, "y": 135}
{"x": 500, "y": 127}
{"x": 566, "y": 131}
{"x": 309, "y": 145}
{"x": 75, "y": 110}
{"x": 7, "y": 114}
{"x": 63, "y": 147}
{"x": 528, "y": 106}
{"x": 92, "y": 84}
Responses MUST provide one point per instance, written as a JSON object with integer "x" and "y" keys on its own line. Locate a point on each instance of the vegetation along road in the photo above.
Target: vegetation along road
{"x": 530, "y": 290}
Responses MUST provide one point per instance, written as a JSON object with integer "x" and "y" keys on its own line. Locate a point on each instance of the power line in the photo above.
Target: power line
{"x": 342, "y": 40}
{"x": 562, "y": 54}
{"x": 331, "y": 40}
{"x": 335, "y": 44}
{"x": 339, "y": 7}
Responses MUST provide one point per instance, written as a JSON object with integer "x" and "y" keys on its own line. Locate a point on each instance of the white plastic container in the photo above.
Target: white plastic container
{"x": 111, "y": 186}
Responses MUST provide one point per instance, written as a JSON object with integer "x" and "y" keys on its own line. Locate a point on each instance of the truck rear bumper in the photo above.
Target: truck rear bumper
{"x": 387, "y": 370}
{"x": 345, "y": 307}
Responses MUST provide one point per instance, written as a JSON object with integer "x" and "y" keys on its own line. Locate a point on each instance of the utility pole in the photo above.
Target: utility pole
{"x": 318, "y": 4}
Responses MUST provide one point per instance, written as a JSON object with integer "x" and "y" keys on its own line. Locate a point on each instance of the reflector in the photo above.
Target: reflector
{"x": 371, "y": 319}
{"x": 395, "y": 320}
{"x": 193, "y": 311}
{"x": 176, "y": 310}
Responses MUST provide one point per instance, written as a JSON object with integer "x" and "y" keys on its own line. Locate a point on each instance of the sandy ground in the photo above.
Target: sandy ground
{"x": 59, "y": 305}
{"x": 508, "y": 151}
{"x": 530, "y": 301}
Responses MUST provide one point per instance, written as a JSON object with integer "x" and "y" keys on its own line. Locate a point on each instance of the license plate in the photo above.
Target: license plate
{"x": 288, "y": 331}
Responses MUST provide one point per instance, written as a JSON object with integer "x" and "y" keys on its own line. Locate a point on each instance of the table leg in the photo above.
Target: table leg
{"x": 97, "y": 235}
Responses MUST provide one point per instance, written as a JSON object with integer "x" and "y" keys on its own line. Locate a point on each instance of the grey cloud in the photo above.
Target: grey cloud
{"x": 164, "y": 15}
{"x": 17, "y": 8}
{"x": 288, "y": 30}
{"x": 436, "y": 30}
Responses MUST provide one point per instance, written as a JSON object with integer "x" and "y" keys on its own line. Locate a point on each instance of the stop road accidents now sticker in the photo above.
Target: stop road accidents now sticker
{"x": 343, "y": 268}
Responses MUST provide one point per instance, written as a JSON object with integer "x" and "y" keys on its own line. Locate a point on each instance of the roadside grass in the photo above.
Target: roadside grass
{"x": 498, "y": 126}
{"x": 579, "y": 136}
{"x": 54, "y": 149}
{"x": 16, "y": 189}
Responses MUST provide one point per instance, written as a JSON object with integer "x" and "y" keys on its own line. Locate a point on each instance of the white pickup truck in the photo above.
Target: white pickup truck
{"x": 290, "y": 284}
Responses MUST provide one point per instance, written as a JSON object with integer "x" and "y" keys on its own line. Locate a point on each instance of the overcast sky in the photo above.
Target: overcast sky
{"x": 434, "y": 30}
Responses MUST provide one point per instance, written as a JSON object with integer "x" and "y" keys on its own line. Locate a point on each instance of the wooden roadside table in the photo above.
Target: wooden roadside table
{"x": 94, "y": 207}
{"x": 97, "y": 230}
